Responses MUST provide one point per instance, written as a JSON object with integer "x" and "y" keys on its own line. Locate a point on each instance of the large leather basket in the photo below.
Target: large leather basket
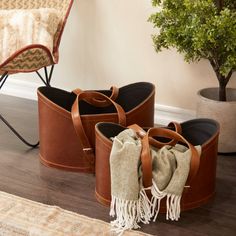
{"x": 67, "y": 120}
{"x": 202, "y": 132}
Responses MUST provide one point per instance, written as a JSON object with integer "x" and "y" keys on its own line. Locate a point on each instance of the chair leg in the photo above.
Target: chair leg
{"x": 48, "y": 77}
{"x": 2, "y": 81}
{"x": 17, "y": 134}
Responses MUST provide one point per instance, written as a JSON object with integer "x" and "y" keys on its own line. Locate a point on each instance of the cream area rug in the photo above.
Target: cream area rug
{"x": 23, "y": 217}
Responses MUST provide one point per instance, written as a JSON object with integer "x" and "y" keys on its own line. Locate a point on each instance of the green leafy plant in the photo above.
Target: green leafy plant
{"x": 200, "y": 29}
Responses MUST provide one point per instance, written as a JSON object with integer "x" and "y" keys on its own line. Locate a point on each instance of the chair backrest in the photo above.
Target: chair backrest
{"x": 63, "y": 6}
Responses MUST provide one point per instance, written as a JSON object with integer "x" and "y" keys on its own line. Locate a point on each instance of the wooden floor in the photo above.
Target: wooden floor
{"x": 22, "y": 174}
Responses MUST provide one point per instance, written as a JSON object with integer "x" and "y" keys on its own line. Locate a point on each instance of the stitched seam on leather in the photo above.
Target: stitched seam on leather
{"x": 140, "y": 106}
{"x": 53, "y": 107}
{"x": 64, "y": 166}
{"x": 210, "y": 144}
{"x": 101, "y": 198}
{"x": 104, "y": 140}
{"x": 90, "y": 117}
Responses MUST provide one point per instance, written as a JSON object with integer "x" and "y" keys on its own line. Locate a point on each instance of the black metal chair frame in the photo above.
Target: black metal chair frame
{"x": 46, "y": 80}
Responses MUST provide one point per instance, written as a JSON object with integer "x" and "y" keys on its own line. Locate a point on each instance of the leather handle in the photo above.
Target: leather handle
{"x": 175, "y": 126}
{"x": 99, "y": 102}
{"x": 146, "y": 158}
{"x": 77, "y": 122}
{"x": 115, "y": 92}
{"x": 141, "y": 133}
{"x": 77, "y": 91}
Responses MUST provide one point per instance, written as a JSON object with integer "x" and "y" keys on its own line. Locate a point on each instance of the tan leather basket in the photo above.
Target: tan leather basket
{"x": 202, "y": 132}
{"x": 67, "y": 120}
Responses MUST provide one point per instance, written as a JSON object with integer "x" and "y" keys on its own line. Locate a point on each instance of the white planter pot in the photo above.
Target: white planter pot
{"x": 223, "y": 112}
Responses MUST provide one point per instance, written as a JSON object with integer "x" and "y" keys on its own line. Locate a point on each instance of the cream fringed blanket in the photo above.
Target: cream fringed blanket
{"x": 21, "y": 28}
{"x": 22, "y": 217}
{"x": 170, "y": 169}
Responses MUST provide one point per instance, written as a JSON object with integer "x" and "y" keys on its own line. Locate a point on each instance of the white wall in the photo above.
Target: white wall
{"x": 109, "y": 42}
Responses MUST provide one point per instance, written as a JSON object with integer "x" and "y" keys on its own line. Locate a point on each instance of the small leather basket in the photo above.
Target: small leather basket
{"x": 202, "y": 132}
{"x": 67, "y": 120}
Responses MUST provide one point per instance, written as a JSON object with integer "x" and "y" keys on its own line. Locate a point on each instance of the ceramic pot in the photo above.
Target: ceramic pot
{"x": 223, "y": 112}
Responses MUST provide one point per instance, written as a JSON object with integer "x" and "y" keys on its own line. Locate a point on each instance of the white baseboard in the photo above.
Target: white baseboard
{"x": 163, "y": 114}
{"x": 20, "y": 88}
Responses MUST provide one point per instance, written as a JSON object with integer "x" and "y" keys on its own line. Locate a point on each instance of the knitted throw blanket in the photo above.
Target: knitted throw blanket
{"x": 170, "y": 169}
{"x": 23, "y": 27}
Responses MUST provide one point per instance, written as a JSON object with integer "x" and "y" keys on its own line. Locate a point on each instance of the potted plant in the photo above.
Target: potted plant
{"x": 204, "y": 29}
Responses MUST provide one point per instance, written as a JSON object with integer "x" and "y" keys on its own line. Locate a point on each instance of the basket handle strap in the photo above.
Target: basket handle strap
{"x": 174, "y": 126}
{"x": 115, "y": 92}
{"x": 146, "y": 158}
{"x": 78, "y": 125}
{"x": 141, "y": 133}
{"x": 77, "y": 91}
{"x": 99, "y": 102}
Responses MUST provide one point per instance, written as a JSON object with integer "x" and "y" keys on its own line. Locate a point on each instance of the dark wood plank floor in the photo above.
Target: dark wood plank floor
{"x": 22, "y": 174}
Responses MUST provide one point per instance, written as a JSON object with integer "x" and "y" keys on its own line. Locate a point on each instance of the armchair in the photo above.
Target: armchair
{"x": 33, "y": 56}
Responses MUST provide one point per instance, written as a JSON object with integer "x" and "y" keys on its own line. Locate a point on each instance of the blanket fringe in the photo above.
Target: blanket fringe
{"x": 173, "y": 207}
{"x": 126, "y": 214}
{"x": 144, "y": 207}
{"x": 157, "y": 195}
{"x": 131, "y": 212}
{"x": 172, "y": 203}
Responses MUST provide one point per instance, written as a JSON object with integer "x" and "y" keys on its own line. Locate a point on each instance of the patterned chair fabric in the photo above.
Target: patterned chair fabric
{"x": 33, "y": 57}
